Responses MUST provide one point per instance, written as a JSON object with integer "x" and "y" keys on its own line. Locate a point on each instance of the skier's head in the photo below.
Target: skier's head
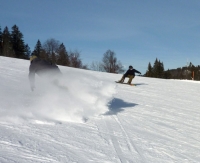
{"x": 130, "y": 67}
{"x": 33, "y": 57}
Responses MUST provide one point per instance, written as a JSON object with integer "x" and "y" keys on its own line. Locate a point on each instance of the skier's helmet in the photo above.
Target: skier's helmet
{"x": 33, "y": 57}
{"x": 130, "y": 67}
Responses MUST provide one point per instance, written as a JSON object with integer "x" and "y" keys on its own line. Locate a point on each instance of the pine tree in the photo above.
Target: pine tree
{"x": 6, "y": 43}
{"x": 62, "y": 58}
{"x": 149, "y": 72}
{"x": 27, "y": 52}
{"x": 155, "y": 69}
{"x": 158, "y": 69}
{"x": 38, "y": 49}
{"x": 1, "y": 43}
{"x": 17, "y": 42}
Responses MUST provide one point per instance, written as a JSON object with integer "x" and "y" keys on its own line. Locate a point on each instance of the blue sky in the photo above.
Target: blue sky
{"x": 138, "y": 31}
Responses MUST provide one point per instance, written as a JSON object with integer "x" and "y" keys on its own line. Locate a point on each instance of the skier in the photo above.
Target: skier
{"x": 44, "y": 69}
{"x": 130, "y": 73}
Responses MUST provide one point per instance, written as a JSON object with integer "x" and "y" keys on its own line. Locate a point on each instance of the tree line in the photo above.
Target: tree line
{"x": 12, "y": 45}
{"x": 157, "y": 70}
{"x": 189, "y": 72}
{"x": 55, "y": 52}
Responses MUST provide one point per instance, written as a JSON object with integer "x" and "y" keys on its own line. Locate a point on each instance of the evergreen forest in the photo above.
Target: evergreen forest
{"x": 189, "y": 72}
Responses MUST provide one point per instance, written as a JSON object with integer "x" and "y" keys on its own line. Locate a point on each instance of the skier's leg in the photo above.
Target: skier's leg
{"x": 122, "y": 79}
{"x": 130, "y": 78}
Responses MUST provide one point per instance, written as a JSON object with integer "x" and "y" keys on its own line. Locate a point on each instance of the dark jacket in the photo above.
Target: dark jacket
{"x": 131, "y": 72}
{"x": 42, "y": 68}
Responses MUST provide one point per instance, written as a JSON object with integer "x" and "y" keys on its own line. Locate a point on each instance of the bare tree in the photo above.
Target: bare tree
{"x": 75, "y": 60}
{"x": 51, "y": 47}
{"x": 110, "y": 63}
{"x": 44, "y": 55}
{"x": 85, "y": 67}
{"x": 97, "y": 66}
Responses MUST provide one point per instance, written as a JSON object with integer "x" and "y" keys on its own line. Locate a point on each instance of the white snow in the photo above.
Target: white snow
{"x": 91, "y": 119}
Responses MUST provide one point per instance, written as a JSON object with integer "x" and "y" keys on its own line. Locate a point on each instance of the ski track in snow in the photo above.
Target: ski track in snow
{"x": 157, "y": 121}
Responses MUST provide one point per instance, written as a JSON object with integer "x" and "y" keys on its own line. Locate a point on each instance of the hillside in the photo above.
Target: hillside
{"x": 91, "y": 119}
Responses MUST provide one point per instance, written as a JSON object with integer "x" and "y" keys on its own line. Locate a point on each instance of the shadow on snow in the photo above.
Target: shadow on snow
{"x": 140, "y": 84}
{"x": 118, "y": 105}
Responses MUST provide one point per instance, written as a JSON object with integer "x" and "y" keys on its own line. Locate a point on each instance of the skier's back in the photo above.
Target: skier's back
{"x": 43, "y": 69}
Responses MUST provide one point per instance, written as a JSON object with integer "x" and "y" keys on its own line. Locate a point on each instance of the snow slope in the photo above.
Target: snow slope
{"x": 90, "y": 119}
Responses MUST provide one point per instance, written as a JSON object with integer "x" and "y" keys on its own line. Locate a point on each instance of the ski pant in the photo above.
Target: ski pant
{"x": 130, "y": 78}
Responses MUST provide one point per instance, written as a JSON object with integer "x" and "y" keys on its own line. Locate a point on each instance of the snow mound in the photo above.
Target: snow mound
{"x": 73, "y": 99}
{"x": 78, "y": 95}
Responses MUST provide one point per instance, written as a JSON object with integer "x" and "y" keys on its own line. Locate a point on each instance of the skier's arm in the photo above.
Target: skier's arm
{"x": 137, "y": 71}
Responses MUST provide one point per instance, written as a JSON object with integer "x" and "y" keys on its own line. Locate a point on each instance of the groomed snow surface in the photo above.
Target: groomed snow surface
{"x": 89, "y": 118}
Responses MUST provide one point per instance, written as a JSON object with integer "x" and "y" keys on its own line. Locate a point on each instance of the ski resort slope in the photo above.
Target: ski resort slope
{"x": 89, "y": 118}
